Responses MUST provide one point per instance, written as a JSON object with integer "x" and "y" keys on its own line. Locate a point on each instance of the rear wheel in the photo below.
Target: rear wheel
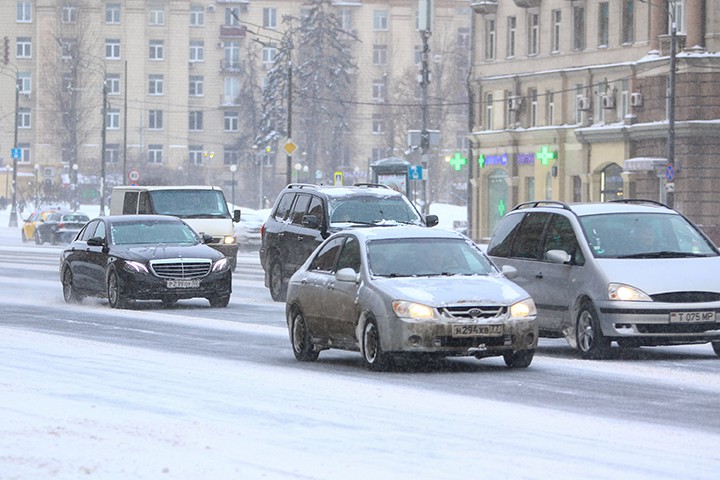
{"x": 278, "y": 288}
{"x": 303, "y": 349}
{"x": 591, "y": 342}
{"x": 372, "y": 352}
{"x": 69, "y": 292}
{"x": 38, "y": 238}
{"x": 219, "y": 302}
{"x": 114, "y": 295}
{"x": 519, "y": 359}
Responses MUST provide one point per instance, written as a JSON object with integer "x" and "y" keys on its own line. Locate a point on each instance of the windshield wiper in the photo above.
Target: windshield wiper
{"x": 663, "y": 254}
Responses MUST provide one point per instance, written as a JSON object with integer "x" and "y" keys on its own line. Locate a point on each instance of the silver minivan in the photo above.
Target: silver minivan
{"x": 634, "y": 272}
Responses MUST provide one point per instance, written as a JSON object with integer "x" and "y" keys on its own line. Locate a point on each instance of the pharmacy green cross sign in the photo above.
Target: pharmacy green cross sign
{"x": 458, "y": 161}
{"x": 545, "y": 155}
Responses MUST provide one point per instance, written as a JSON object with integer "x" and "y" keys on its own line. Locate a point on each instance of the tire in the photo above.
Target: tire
{"x": 219, "y": 302}
{"x": 115, "y": 298}
{"x": 591, "y": 342}
{"x": 278, "y": 287}
{"x": 69, "y": 292}
{"x": 23, "y": 236}
{"x": 303, "y": 348}
{"x": 38, "y": 238}
{"x": 716, "y": 348}
{"x": 371, "y": 349}
{"x": 519, "y": 359}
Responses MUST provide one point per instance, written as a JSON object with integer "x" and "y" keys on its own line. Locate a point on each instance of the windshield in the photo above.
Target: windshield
{"x": 152, "y": 232}
{"x": 402, "y": 257}
{"x": 190, "y": 203}
{"x": 372, "y": 210}
{"x": 644, "y": 235}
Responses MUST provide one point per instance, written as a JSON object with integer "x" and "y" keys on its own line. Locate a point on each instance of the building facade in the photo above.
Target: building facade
{"x": 573, "y": 100}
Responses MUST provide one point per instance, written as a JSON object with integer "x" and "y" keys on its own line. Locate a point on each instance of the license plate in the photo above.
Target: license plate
{"x": 183, "y": 283}
{"x": 692, "y": 317}
{"x": 477, "y": 330}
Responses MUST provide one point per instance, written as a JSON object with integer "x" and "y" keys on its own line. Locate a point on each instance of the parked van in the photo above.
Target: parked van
{"x": 204, "y": 208}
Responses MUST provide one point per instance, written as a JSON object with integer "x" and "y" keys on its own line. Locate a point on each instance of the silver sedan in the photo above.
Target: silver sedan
{"x": 391, "y": 291}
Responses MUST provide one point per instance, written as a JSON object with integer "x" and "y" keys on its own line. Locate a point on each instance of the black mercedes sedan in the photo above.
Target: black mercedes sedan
{"x": 143, "y": 257}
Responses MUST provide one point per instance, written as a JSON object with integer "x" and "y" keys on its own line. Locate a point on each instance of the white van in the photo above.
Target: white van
{"x": 204, "y": 208}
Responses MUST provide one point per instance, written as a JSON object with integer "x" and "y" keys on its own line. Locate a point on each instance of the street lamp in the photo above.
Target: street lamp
{"x": 299, "y": 167}
{"x": 233, "y": 169}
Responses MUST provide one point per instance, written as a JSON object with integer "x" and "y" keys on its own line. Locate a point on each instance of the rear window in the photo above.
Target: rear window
{"x": 373, "y": 210}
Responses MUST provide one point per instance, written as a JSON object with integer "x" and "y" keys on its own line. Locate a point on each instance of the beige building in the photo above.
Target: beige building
{"x": 572, "y": 102}
{"x": 168, "y": 77}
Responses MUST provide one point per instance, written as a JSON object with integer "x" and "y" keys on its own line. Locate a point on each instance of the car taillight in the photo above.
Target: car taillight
{"x": 61, "y": 225}
{"x": 262, "y": 230}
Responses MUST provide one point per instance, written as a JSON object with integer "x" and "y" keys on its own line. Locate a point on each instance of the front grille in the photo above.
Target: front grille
{"x": 470, "y": 342}
{"x": 181, "y": 268}
{"x": 686, "y": 297}
{"x": 677, "y": 328}
{"x": 474, "y": 311}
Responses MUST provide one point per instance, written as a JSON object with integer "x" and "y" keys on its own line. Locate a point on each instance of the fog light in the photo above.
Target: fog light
{"x": 415, "y": 340}
{"x": 529, "y": 338}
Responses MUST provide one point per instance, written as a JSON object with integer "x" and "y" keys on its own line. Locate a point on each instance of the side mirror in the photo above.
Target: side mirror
{"x": 236, "y": 216}
{"x": 347, "y": 275}
{"x": 95, "y": 242}
{"x": 431, "y": 220}
{"x": 207, "y": 238}
{"x": 557, "y": 256}
{"x": 311, "y": 221}
{"x": 509, "y": 271}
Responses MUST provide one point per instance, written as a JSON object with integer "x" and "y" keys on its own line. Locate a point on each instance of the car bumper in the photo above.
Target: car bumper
{"x": 150, "y": 287}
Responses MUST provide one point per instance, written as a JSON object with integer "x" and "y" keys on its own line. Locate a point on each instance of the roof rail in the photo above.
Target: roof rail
{"x": 639, "y": 200}
{"x": 301, "y": 185}
{"x": 380, "y": 185}
{"x": 542, "y": 203}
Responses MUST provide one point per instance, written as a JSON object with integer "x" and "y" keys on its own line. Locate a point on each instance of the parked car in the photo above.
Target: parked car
{"x": 143, "y": 257}
{"x": 304, "y": 215}
{"x": 409, "y": 291}
{"x": 60, "y": 227}
{"x": 247, "y": 230}
{"x": 27, "y": 231}
{"x": 633, "y": 272}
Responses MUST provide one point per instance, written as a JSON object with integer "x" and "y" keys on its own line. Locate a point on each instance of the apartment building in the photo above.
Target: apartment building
{"x": 572, "y": 100}
{"x": 115, "y": 92}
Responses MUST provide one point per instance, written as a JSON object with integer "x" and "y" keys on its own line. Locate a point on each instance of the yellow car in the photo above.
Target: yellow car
{"x": 31, "y": 223}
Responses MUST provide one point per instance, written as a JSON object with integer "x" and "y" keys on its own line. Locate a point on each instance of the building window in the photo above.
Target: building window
{"x": 556, "y": 29}
{"x": 68, "y": 49}
{"x": 603, "y": 24}
{"x": 155, "y": 84}
{"x": 112, "y": 153}
{"x": 23, "y": 47}
{"x": 345, "y": 17}
{"x": 155, "y": 119}
{"x": 378, "y": 124}
{"x": 418, "y": 54}
{"x": 23, "y": 118}
{"x": 157, "y": 17}
{"x": 628, "y": 21}
{"x": 231, "y": 55}
{"x": 463, "y": 38}
{"x": 112, "y": 49}
{"x": 112, "y": 13}
{"x": 155, "y": 154}
{"x": 25, "y": 152}
{"x": 529, "y": 189}
{"x": 195, "y": 121}
{"x": 624, "y": 98}
{"x": 232, "y": 15}
{"x": 157, "y": 49}
{"x": 195, "y": 155}
{"x": 511, "y": 36}
{"x": 677, "y": 10}
{"x": 112, "y": 83}
{"x": 533, "y": 107}
{"x": 24, "y": 12}
{"x": 550, "y": 96}
{"x": 232, "y": 121}
{"x": 533, "y": 33}
{"x": 269, "y": 54}
{"x": 231, "y": 155}
{"x": 579, "y": 99}
{"x": 197, "y": 50}
{"x": 232, "y": 90}
{"x": 490, "y": 39}
{"x": 578, "y": 28}
{"x": 489, "y": 111}
{"x": 112, "y": 119}
{"x": 197, "y": 86}
{"x": 378, "y": 90}
{"x": 380, "y": 20}
{"x": 270, "y": 17}
{"x": 25, "y": 82}
{"x": 379, "y": 54}
{"x": 69, "y": 13}
{"x": 197, "y": 16}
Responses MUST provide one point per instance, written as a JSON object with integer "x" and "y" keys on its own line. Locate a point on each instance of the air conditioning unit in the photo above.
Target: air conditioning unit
{"x": 583, "y": 103}
{"x": 608, "y": 101}
{"x": 211, "y": 8}
{"x": 636, "y": 99}
{"x": 515, "y": 102}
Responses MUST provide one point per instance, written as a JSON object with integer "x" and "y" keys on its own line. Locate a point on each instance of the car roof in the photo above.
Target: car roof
{"x": 598, "y": 208}
{"x": 167, "y": 187}
{"x": 361, "y": 189}
{"x": 139, "y": 218}
{"x": 404, "y": 231}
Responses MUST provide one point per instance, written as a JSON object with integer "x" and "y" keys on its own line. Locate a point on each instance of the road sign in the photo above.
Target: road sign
{"x": 16, "y": 153}
{"x": 289, "y": 147}
{"x": 670, "y": 173}
{"x": 134, "y": 175}
{"x": 415, "y": 172}
{"x": 338, "y": 178}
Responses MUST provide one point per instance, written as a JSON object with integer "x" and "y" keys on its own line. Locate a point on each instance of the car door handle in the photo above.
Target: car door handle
{"x": 539, "y": 275}
{"x": 300, "y": 238}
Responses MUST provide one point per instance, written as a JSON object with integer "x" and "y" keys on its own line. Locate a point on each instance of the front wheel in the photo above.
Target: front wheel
{"x": 219, "y": 302}
{"x": 38, "y": 238}
{"x": 372, "y": 352}
{"x": 519, "y": 359}
{"x": 591, "y": 342}
{"x": 303, "y": 349}
{"x": 114, "y": 295}
{"x": 69, "y": 292}
{"x": 278, "y": 288}
{"x": 716, "y": 348}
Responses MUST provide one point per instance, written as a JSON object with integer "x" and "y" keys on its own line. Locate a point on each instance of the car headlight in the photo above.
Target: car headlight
{"x": 135, "y": 267}
{"x": 229, "y": 240}
{"x": 523, "y": 309}
{"x": 220, "y": 265}
{"x": 413, "y": 310}
{"x": 620, "y": 291}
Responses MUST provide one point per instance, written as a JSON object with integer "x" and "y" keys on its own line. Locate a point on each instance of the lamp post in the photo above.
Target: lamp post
{"x": 671, "y": 99}
{"x": 13, "y": 209}
{"x": 74, "y": 186}
{"x": 233, "y": 169}
{"x": 36, "y": 168}
{"x": 299, "y": 167}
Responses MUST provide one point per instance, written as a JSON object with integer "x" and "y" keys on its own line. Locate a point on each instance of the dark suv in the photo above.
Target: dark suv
{"x": 304, "y": 215}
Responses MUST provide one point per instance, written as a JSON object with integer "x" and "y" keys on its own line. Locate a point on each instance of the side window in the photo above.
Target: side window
{"x": 283, "y": 208}
{"x": 145, "y": 204}
{"x": 100, "y": 231}
{"x": 325, "y": 259}
{"x": 502, "y": 240}
{"x": 527, "y": 241}
{"x": 89, "y": 230}
{"x": 561, "y": 236}
{"x": 130, "y": 203}
{"x": 317, "y": 209}
{"x": 299, "y": 208}
{"x": 350, "y": 255}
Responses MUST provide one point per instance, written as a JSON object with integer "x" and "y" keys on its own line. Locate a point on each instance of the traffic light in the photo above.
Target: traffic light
{"x": 6, "y": 50}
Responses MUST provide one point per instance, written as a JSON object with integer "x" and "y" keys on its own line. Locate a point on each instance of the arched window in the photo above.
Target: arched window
{"x": 497, "y": 198}
{"x": 611, "y": 183}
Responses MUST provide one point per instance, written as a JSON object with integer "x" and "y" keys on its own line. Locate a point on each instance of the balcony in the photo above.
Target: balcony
{"x": 484, "y": 7}
{"x": 233, "y": 31}
{"x": 528, "y": 3}
{"x": 230, "y": 66}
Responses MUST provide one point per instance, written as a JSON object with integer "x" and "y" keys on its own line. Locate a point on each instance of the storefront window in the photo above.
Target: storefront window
{"x": 497, "y": 198}
{"x": 611, "y": 183}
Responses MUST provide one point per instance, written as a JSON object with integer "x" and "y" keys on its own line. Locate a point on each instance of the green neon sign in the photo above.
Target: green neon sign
{"x": 545, "y": 155}
{"x": 458, "y": 161}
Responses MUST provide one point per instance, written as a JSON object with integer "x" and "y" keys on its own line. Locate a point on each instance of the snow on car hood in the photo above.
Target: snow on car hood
{"x": 660, "y": 275}
{"x": 452, "y": 290}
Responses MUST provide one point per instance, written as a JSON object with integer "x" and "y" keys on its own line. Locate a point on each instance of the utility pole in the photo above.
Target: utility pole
{"x": 425, "y": 20}
{"x": 13, "y": 210}
{"x": 288, "y": 158}
{"x": 102, "y": 148}
{"x": 670, "y": 198}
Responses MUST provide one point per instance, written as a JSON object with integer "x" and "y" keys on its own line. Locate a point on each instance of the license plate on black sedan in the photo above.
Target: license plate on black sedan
{"x": 692, "y": 317}
{"x": 475, "y": 330}
{"x": 183, "y": 283}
